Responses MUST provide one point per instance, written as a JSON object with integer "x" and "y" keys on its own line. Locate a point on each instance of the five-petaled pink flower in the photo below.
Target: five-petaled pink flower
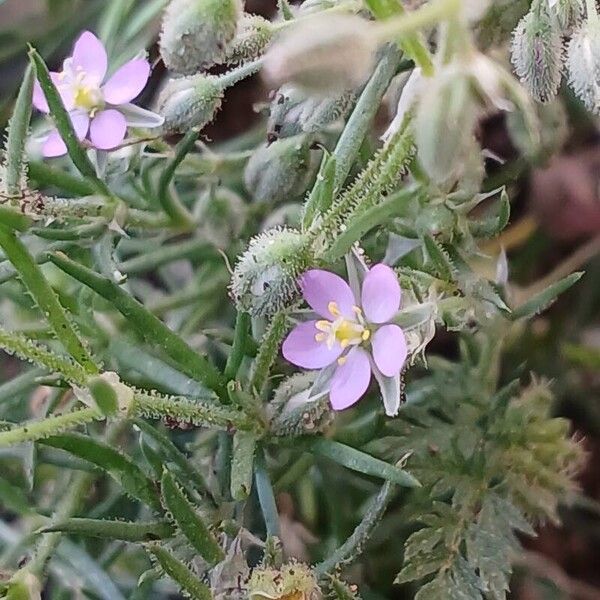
{"x": 98, "y": 109}
{"x": 354, "y": 338}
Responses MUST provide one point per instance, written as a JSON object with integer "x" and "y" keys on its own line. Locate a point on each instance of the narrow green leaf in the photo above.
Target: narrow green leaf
{"x": 189, "y": 521}
{"x": 440, "y": 260}
{"x": 180, "y": 465}
{"x": 45, "y": 298}
{"x": 47, "y": 176}
{"x": 63, "y": 123}
{"x": 116, "y": 530}
{"x": 13, "y": 219}
{"x": 544, "y": 299}
{"x": 18, "y": 127}
{"x": 120, "y": 467}
{"x": 181, "y": 574}
{"x": 321, "y": 196}
{"x": 147, "y": 324}
{"x": 266, "y": 496}
{"x": 284, "y": 10}
{"x": 241, "y": 334}
{"x": 363, "y": 463}
{"x": 242, "y": 464}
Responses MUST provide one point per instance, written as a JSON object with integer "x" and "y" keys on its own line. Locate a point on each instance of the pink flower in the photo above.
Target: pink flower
{"x": 354, "y": 338}
{"x": 98, "y": 109}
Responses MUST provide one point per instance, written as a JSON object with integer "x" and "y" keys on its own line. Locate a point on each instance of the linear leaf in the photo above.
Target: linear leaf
{"x": 116, "y": 530}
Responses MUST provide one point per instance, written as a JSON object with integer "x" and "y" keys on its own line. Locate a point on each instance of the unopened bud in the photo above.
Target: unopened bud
{"x": 568, "y": 12}
{"x": 294, "y": 411}
{"x": 583, "y": 64}
{"x": 537, "y": 54}
{"x": 195, "y": 33}
{"x": 444, "y": 125}
{"x": 292, "y": 581}
{"x": 293, "y": 112}
{"x": 265, "y": 278}
{"x": 254, "y": 34}
{"x": 281, "y": 171}
{"x": 189, "y": 102}
{"x": 323, "y": 54}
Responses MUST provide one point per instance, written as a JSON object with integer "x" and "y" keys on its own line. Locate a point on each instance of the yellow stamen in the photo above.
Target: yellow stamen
{"x": 323, "y": 326}
{"x": 344, "y": 343}
{"x": 333, "y": 308}
{"x": 320, "y": 337}
{"x": 342, "y": 360}
{"x": 366, "y": 334}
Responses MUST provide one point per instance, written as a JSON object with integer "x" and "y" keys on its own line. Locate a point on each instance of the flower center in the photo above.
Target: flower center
{"x": 348, "y": 332}
{"x": 86, "y": 97}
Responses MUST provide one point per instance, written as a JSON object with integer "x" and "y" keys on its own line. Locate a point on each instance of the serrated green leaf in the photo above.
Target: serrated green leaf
{"x": 495, "y": 221}
{"x": 189, "y": 521}
{"x": 116, "y": 530}
{"x": 544, "y": 299}
{"x": 439, "y": 258}
{"x": 242, "y": 464}
{"x": 356, "y": 460}
{"x": 181, "y": 574}
{"x": 121, "y": 468}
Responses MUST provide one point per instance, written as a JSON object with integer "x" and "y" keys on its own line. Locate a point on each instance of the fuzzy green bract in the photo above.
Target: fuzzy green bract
{"x": 188, "y": 325}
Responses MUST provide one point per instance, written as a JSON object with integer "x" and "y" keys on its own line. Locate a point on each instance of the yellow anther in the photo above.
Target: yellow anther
{"x": 366, "y": 334}
{"x": 342, "y": 360}
{"x": 332, "y": 307}
{"x": 323, "y": 326}
{"x": 320, "y": 337}
{"x": 357, "y": 310}
{"x": 344, "y": 343}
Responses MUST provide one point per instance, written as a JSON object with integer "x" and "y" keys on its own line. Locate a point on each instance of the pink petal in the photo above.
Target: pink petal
{"x": 380, "y": 294}
{"x": 302, "y": 349}
{"x": 350, "y": 380}
{"x": 319, "y": 288}
{"x": 54, "y": 145}
{"x": 389, "y": 349}
{"x": 89, "y": 57}
{"x": 108, "y": 129}
{"x": 127, "y": 82}
{"x": 39, "y": 100}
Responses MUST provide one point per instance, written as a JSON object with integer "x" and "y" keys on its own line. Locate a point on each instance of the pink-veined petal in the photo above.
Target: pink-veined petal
{"x": 127, "y": 82}
{"x": 380, "y": 294}
{"x": 350, "y": 380}
{"x": 108, "y": 129}
{"x": 389, "y": 349}
{"x": 319, "y": 288}
{"x": 302, "y": 349}
{"x": 89, "y": 57}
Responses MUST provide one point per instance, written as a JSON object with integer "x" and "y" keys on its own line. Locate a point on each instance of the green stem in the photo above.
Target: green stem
{"x": 17, "y": 134}
{"x": 354, "y": 545}
{"x": 359, "y": 123}
{"x": 147, "y": 324}
{"x": 45, "y": 298}
{"x": 266, "y": 496}
{"x": 177, "y": 212}
{"x": 37, "y": 430}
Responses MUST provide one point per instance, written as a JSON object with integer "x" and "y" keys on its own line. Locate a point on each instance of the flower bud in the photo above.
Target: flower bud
{"x": 323, "y": 54}
{"x": 282, "y": 170}
{"x": 195, "y": 33}
{"x": 253, "y": 35}
{"x": 568, "y": 12}
{"x": 444, "y": 124}
{"x": 293, "y": 112}
{"x": 295, "y": 412}
{"x": 221, "y": 214}
{"x": 583, "y": 64}
{"x": 292, "y": 581}
{"x": 189, "y": 102}
{"x": 265, "y": 278}
{"x": 537, "y": 54}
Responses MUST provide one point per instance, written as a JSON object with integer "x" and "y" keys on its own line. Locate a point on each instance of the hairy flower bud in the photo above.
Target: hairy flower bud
{"x": 583, "y": 64}
{"x": 282, "y": 170}
{"x": 189, "y": 102}
{"x": 295, "y": 412}
{"x": 265, "y": 278}
{"x": 568, "y": 12}
{"x": 195, "y": 33}
{"x": 537, "y": 54}
{"x": 293, "y": 112}
{"x": 444, "y": 125}
{"x": 253, "y": 35}
{"x": 293, "y": 581}
{"x": 323, "y": 54}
